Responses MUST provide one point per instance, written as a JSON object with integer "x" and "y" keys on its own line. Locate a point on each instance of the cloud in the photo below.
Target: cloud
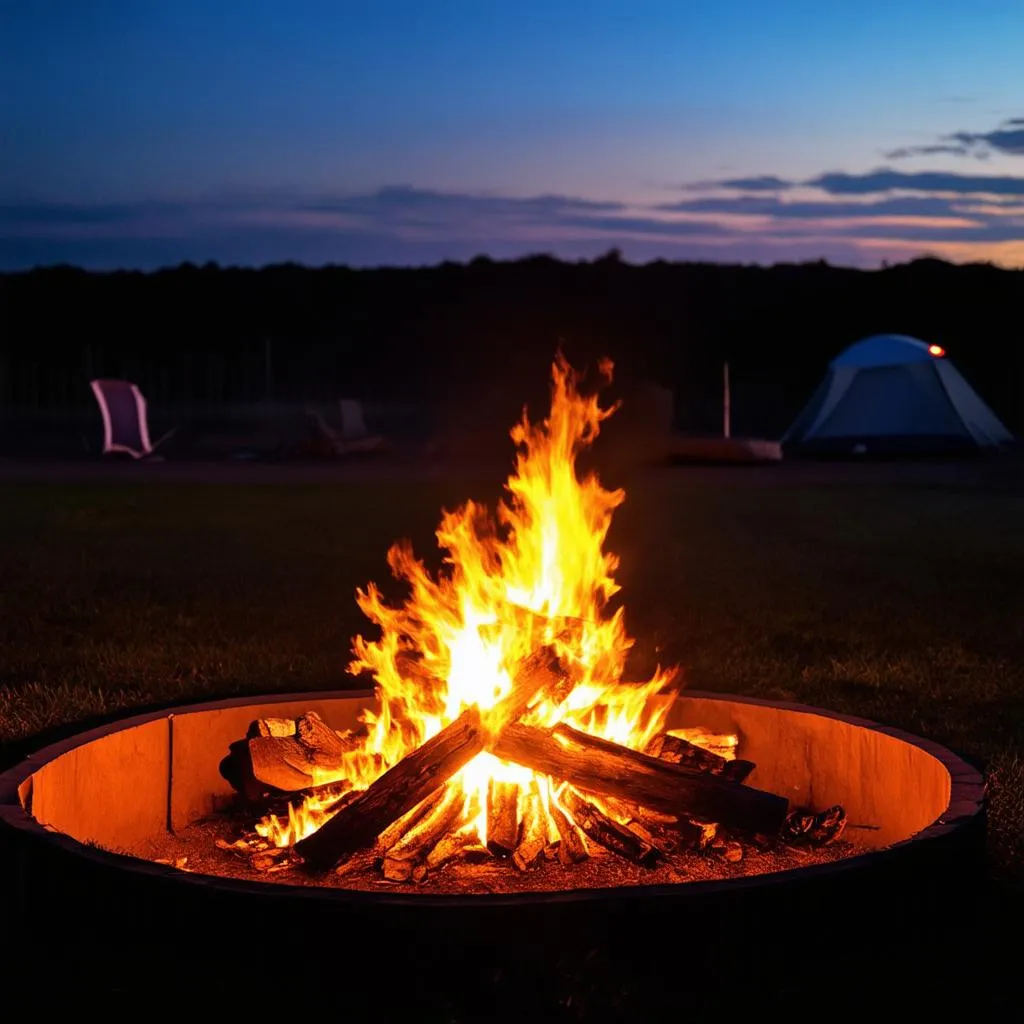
{"x": 883, "y": 179}
{"x": 762, "y": 183}
{"x": 854, "y": 219}
{"x": 1007, "y": 139}
{"x": 774, "y": 206}
{"x": 958, "y": 149}
{"x": 886, "y": 180}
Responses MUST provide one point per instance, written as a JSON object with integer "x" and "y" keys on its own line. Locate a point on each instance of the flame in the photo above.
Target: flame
{"x": 458, "y": 638}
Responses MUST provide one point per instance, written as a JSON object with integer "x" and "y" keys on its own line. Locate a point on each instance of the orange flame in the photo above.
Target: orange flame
{"x": 463, "y": 629}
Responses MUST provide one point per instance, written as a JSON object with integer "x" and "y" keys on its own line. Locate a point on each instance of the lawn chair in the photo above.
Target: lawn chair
{"x": 125, "y": 424}
{"x": 354, "y": 436}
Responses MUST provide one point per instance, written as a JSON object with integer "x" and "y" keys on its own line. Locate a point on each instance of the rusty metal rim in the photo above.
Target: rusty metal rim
{"x": 966, "y": 803}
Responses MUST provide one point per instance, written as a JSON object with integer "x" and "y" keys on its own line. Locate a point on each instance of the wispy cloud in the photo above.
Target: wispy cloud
{"x": 848, "y": 218}
{"x": 1006, "y": 139}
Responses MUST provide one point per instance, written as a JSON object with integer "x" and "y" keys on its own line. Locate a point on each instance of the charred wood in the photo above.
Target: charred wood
{"x": 425, "y": 770}
{"x": 677, "y": 750}
{"x": 607, "y": 832}
{"x": 502, "y": 818}
{"x": 607, "y": 769}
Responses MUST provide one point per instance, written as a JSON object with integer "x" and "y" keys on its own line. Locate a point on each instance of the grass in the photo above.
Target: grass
{"x": 897, "y": 601}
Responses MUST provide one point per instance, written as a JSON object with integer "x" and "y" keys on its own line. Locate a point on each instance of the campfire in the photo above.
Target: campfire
{"x": 506, "y": 735}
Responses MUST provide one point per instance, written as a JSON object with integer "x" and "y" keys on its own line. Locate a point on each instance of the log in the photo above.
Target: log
{"x": 677, "y": 750}
{"x": 669, "y": 832}
{"x": 374, "y": 855}
{"x": 502, "y": 818}
{"x": 449, "y": 846}
{"x": 286, "y": 755}
{"x": 572, "y": 847}
{"x": 596, "y": 825}
{"x": 535, "y": 833}
{"x": 607, "y": 769}
{"x": 272, "y": 727}
{"x": 425, "y": 770}
{"x": 403, "y": 857}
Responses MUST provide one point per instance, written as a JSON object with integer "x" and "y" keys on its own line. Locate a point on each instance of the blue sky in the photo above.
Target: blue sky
{"x": 145, "y": 132}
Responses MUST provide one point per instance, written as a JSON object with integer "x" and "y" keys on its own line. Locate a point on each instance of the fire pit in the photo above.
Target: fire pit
{"x": 501, "y": 781}
{"x": 82, "y": 821}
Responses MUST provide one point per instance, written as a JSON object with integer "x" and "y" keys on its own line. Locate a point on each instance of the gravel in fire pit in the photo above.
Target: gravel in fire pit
{"x": 195, "y": 849}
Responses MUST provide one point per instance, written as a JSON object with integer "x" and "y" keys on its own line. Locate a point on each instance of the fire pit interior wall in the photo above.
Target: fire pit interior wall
{"x": 889, "y": 785}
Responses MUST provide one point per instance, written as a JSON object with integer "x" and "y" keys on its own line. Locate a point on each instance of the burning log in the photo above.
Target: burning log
{"x": 502, "y": 817}
{"x": 424, "y": 770}
{"x": 286, "y": 755}
{"x": 447, "y": 848}
{"x": 571, "y": 846}
{"x": 596, "y": 825}
{"x": 677, "y": 750}
{"x": 535, "y": 833}
{"x": 403, "y": 857}
{"x": 607, "y": 769}
{"x": 364, "y": 859}
{"x": 669, "y": 831}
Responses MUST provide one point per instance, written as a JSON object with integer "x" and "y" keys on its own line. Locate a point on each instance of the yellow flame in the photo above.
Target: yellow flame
{"x": 467, "y": 628}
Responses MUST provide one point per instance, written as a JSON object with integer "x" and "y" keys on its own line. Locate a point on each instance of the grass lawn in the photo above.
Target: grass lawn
{"x": 900, "y": 602}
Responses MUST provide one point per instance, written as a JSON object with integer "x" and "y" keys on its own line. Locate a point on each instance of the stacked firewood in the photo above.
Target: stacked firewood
{"x": 642, "y": 806}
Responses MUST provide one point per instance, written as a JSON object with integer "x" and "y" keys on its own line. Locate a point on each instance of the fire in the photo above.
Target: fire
{"x": 457, "y": 640}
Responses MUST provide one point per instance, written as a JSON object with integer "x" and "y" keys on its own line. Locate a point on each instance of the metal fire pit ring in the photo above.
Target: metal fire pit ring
{"x": 118, "y": 784}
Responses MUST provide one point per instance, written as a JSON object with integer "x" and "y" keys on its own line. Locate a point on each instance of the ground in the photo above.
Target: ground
{"x": 888, "y": 592}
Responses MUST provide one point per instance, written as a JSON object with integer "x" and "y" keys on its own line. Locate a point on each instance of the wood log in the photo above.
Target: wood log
{"x": 448, "y": 847}
{"x": 502, "y": 818}
{"x": 362, "y": 860}
{"x": 677, "y": 750}
{"x": 403, "y": 857}
{"x": 669, "y": 832}
{"x": 535, "y": 833}
{"x": 596, "y": 825}
{"x": 607, "y": 769}
{"x": 572, "y": 847}
{"x": 272, "y": 727}
{"x": 286, "y": 755}
{"x": 425, "y": 770}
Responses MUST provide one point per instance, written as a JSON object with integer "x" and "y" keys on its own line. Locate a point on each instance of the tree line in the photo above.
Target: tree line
{"x": 480, "y": 336}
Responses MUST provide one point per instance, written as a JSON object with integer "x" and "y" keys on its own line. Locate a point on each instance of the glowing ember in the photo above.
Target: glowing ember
{"x": 458, "y": 639}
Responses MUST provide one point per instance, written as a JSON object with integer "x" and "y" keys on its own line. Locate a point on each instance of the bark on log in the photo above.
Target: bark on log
{"x": 571, "y": 846}
{"x": 449, "y": 846}
{"x": 677, "y": 750}
{"x": 605, "y": 768}
{"x": 272, "y": 727}
{"x": 374, "y": 855}
{"x": 669, "y": 832}
{"x": 403, "y": 857}
{"x": 424, "y": 770}
{"x": 535, "y": 834}
{"x": 502, "y": 818}
{"x": 286, "y": 755}
{"x": 596, "y": 825}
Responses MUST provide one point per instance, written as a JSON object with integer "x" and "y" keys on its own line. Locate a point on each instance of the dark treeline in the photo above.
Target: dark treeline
{"x": 480, "y": 336}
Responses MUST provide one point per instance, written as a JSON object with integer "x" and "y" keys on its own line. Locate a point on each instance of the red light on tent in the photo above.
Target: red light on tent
{"x": 937, "y": 350}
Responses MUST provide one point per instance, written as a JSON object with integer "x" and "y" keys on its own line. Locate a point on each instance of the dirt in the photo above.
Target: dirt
{"x": 194, "y": 849}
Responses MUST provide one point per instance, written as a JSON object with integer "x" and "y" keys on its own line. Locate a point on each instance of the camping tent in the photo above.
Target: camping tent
{"x": 894, "y": 394}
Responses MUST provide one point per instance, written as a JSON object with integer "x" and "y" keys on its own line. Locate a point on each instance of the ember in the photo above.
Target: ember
{"x": 505, "y": 731}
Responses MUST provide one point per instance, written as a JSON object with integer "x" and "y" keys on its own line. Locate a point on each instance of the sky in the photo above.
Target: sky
{"x": 143, "y": 133}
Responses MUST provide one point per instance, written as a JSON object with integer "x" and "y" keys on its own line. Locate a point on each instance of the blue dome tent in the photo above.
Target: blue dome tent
{"x": 891, "y": 394}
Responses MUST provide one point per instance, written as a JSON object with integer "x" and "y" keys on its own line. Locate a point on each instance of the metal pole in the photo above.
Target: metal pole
{"x": 726, "y": 402}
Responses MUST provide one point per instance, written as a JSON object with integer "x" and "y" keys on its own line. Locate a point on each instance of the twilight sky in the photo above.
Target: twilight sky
{"x": 140, "y": 133}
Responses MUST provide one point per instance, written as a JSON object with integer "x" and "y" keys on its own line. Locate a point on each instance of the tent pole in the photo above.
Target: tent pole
{"x": 726, "y": 402}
